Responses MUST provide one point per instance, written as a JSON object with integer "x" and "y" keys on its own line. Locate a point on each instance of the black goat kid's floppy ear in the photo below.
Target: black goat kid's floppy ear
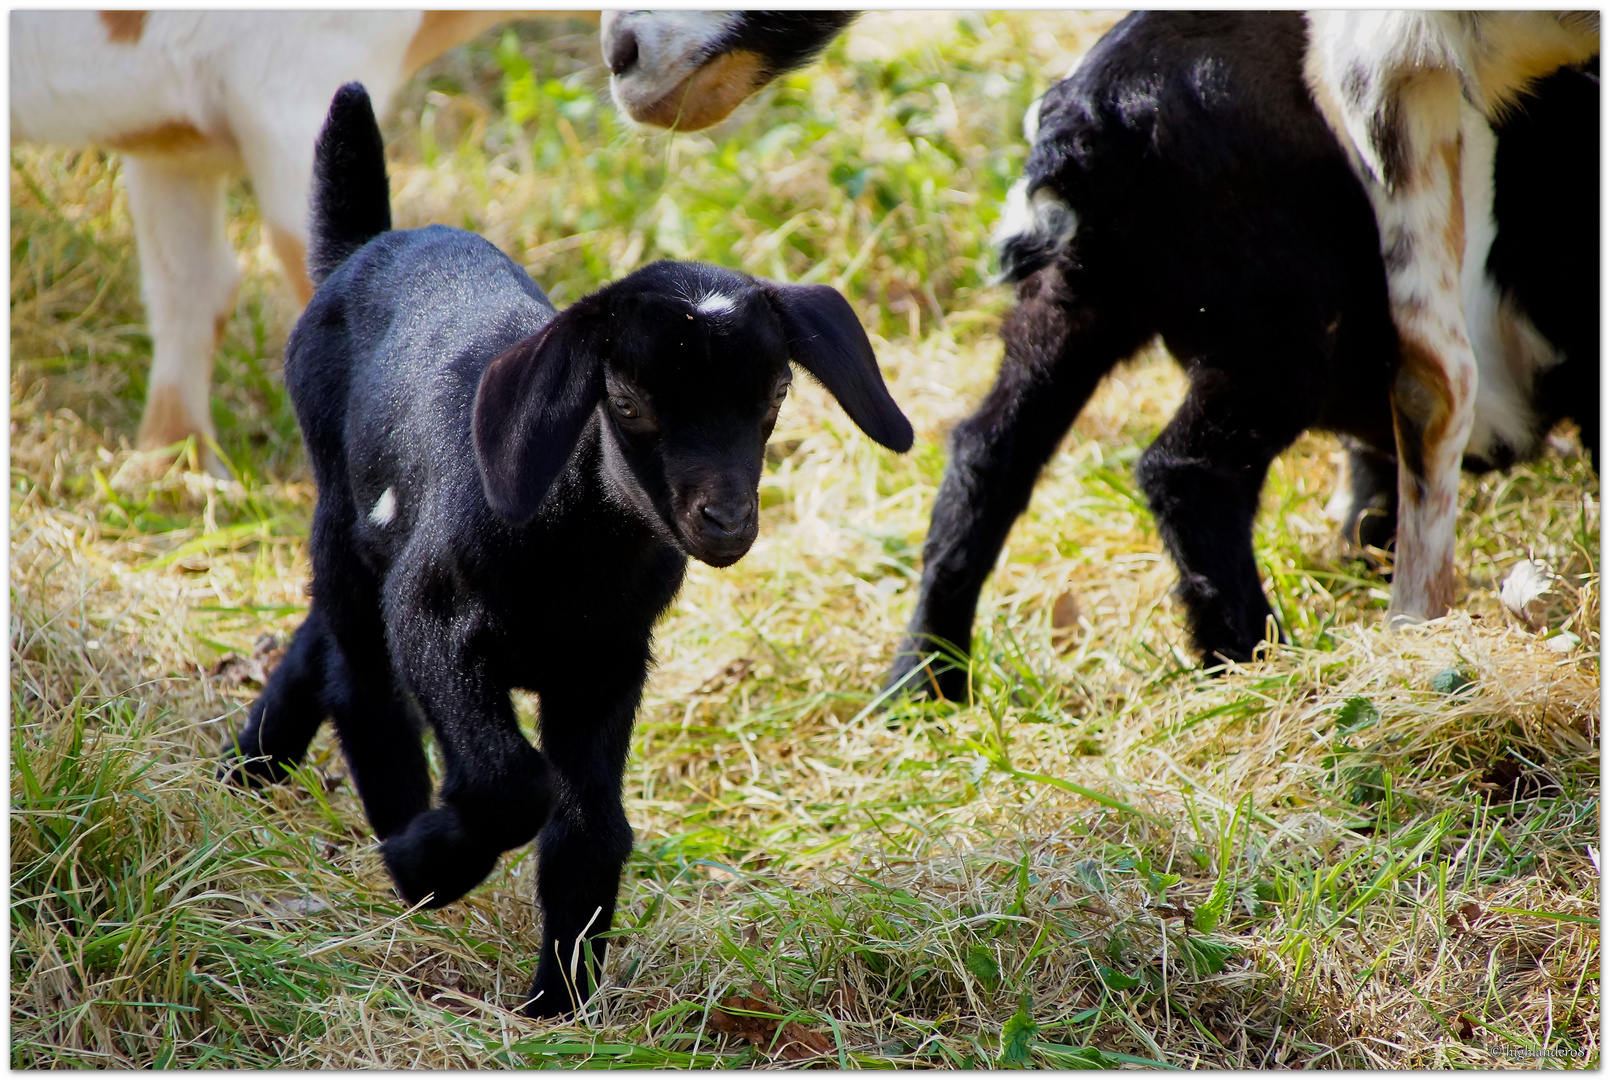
{"x": 530, "y": 407}
{"x": 825, "y": 338}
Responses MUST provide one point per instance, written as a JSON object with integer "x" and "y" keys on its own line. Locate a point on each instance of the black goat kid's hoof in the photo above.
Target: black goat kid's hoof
{"x": 250, "y": 772}
{"x": 549, "y": 1006}
{"x": 938, "y": 677}
{"x": 551, "y": 996}
{"x": 433, "y": 857}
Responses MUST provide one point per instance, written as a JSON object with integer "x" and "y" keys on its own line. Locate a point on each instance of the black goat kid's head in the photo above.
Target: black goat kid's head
{"x": 686, "y": 366}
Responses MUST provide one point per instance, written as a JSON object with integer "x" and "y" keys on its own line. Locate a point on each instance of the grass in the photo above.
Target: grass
{"x": 1371, "y": 849}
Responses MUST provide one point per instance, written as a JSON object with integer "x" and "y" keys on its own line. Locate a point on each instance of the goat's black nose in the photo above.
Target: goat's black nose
{"x": 728, "y": 517}
{"x": 622, "y": 51}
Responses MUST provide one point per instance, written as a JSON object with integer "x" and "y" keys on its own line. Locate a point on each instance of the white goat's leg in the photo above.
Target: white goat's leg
{"x": 189, "y": 277}
{"x": 1421, "y": 215}
{"x": 277, "y": 145}
{"x": 281, "y": 170}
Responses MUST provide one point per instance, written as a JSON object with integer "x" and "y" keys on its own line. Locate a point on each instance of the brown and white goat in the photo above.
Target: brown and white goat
{"x": 1406, "y": 91}
{"x": 190, "y": 98}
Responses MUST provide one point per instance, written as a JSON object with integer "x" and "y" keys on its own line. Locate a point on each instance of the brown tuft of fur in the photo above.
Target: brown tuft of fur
{"x": 124, "y": 27}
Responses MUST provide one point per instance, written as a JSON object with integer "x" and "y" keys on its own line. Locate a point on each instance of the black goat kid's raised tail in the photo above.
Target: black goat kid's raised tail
{"x": 351, "y": 196}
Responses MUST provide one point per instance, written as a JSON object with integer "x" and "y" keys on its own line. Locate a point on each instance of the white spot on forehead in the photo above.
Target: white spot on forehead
{"x": 385, "y": 508}
{"x": 715, "y": 304}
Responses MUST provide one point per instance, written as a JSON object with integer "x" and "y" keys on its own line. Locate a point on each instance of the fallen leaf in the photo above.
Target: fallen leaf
{"x": 227, "y": 667}
{"x": 237, "y": 670}
{"x": 844, "y": 997}
{"x": 1506, "y": 781}
{"x": 1065, "y": 614}
{"x": 735, "y": 672}
{"x": 791, "y": 1041}
{"x": 1462, "y": 919}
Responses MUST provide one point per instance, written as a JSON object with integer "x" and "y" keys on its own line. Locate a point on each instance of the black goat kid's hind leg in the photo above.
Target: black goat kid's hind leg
{"x": 585, "y": 844}
{"x": 1202, "y": 478}
{"x": 380, "y": 739}
{"x": 1058, "y": 348}
{"x": 287, "y": 714}
{"x": 496, "y": 788}
{"x": 1371, "y": 519}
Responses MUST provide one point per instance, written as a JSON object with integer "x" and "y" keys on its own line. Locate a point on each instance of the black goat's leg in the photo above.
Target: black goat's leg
{"x": 287, "y": 714}
{"x": 1202, "y": 478}
{"x": 586, "y": 733}
{"x": 1371, "y": 519}
{"x": 1059, "y": 345}
{"x": 496, "y": 788}
{"x": 380, "y": 738}
{"x": 337, "y": 666}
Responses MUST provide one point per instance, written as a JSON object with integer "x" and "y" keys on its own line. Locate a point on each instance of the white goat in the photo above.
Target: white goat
{"x": 190, "y": 98}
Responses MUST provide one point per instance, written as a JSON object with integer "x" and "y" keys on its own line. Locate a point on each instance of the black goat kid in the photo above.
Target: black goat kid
{"x": 508, "y": 497}
{"x": 1183, "y": 185}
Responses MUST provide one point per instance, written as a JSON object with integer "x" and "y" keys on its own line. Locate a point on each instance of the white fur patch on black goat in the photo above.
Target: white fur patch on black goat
{"x": 1033, "y": 229}
{"x": 385, "y": 508}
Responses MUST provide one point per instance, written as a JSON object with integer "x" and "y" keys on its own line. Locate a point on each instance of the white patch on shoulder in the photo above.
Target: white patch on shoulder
{"x": 385, "y": 508}
{"x": 715, "y": 304}
{"x": 1015, "y": 219}
{"x": 1045, "y": 216}
{"x": 1031, "y": 121}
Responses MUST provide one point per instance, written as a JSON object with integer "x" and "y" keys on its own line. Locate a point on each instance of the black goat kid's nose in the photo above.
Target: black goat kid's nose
{"x": 728, "y": 517}
{"x": 622, "y": 52}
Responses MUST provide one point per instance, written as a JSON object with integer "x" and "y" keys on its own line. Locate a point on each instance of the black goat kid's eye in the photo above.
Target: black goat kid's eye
{"x": 624, "y": 408}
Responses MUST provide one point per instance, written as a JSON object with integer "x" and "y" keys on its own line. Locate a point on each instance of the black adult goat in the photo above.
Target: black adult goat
{"x": 1184, "y": 185}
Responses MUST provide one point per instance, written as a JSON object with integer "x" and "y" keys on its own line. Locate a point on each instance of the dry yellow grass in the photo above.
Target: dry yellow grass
{"x": 1320, "y": 860}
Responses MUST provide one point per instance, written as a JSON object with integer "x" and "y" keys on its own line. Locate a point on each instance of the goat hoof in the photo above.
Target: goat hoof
{"x": 434, "y": 858}
{"x": 918, "y": 677}
{"x": 250, "y": 773}
{"x": 552, "y": 995}
{"x": 546, "y": 1005}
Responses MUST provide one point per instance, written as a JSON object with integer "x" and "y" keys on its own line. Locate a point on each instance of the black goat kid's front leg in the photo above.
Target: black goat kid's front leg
{"x": 1202, "y": 478}
{"x": 1058, "y": 348}
{"x": 586, "y": 734}
{"x": 496, "y": 788}
{"x": 287, "y": 714}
